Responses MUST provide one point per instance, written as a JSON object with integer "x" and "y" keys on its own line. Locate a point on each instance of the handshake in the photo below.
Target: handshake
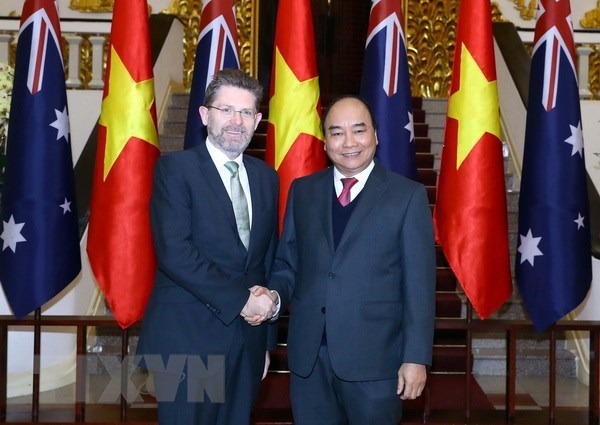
{"x": 261, "y": 305}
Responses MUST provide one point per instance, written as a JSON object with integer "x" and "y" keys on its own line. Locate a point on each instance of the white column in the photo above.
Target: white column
{"x": 97, "y": 81}
{"x": 5, "y": 47}
{"x": 74, "y": 42}
{"x": 583, "y": 65}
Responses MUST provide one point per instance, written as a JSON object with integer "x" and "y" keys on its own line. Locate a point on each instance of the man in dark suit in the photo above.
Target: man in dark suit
{"x": 214, "y": 224}
{"x": 356, "y": 263}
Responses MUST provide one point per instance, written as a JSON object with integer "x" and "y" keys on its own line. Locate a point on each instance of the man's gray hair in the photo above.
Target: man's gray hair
{"x": 233, "y": 78}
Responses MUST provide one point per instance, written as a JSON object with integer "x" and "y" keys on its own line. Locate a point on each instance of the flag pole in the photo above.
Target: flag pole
{"x": 37, "y": 337}
{"x": 468, "y": 349}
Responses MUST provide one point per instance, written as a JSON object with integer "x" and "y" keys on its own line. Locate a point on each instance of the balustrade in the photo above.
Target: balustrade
{"x": 84, "y": 50}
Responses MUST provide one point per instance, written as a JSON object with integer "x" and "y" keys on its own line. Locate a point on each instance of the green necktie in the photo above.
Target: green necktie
{"x": 240, "y": 204}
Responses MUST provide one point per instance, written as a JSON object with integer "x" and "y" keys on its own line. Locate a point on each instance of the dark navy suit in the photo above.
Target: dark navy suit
{"x": 201, "y": 286}
{"x": 372, "y": 294}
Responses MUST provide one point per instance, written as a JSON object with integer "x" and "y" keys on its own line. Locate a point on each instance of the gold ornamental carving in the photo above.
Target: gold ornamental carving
{"x": 92, "y": 5}
{"x": 189, "y": 11}
{"x": 431, "y": 37}
{"x": 247, "y": 13}
{"x": 591, "y": 19}
{"x": 95, "y": 6}
{"x": 496, "y": 14}
{"x": 526, "y": 8}
{"x": 594, "y": 71}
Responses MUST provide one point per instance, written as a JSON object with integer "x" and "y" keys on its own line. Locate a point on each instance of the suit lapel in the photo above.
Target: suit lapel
{"x": 323, "y": 195}
{"x": 257, "y": 199}
{"x": 208, "y": 169}
{"x": 369, "y": 197}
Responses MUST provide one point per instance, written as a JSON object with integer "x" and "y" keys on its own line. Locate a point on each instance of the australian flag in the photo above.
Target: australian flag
{"x": 216, "y": 50}
{"x": 553, "y": 261}
{"x": 40, "y": 238}
{"x": 386, "y": 88}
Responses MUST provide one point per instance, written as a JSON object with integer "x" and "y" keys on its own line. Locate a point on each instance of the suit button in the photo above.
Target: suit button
{"x": 323, "y": 309}
{"x": 331, "y": 275}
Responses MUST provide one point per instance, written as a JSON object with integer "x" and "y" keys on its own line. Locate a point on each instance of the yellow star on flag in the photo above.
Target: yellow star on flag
{"x": 474, "y": 105}
{"x": 126, "y": 111}
{"x": 293, "y": 108}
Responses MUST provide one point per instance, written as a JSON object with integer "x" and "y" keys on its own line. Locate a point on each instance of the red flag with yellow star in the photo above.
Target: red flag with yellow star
{"x": 470, "y": 212}
{"x": 119, "y": 240}
{"x": 294, "y": 137}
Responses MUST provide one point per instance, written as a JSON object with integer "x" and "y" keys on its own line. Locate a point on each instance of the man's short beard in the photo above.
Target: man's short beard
{"x": 221, "y": 142}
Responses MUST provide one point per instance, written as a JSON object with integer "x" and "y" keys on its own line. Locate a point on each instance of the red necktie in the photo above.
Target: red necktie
{"x": 344, "y": 197}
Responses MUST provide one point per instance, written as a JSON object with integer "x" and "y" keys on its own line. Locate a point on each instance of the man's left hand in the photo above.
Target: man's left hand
{"x": 411, "y": 380}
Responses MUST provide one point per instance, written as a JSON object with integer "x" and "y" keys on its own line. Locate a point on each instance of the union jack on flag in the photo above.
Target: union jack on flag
{"x": 216, "y": 50}
{"x": 44, "y": 27}
{"x": 386, "y": 87}
{"x": 40, "y": 236}
{"x": 554, "y": 30}
{"x": 553, "y": 261}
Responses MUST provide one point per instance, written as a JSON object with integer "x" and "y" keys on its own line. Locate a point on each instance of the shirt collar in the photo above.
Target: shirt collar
{"x": 219, "y": 158}
{"x": 361, "y": 177}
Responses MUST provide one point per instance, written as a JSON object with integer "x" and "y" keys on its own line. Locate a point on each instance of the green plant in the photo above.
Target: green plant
{"x": 6, "y": 85}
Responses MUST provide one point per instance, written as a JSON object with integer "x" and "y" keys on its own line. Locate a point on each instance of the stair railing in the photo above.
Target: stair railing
{"x": 513, "y": 65}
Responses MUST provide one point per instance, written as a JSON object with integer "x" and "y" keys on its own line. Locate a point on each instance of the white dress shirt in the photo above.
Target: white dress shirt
{"x": 219, "y": 159}
{"x": 358, "y": 186}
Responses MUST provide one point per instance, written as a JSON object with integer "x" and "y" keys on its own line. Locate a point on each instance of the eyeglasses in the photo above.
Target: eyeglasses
{"x": 246, "y": 114}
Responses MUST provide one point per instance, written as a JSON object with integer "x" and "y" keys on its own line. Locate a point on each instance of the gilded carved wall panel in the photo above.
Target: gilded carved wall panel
{"x": 592, "y": 18}
{"x": 431, "y": 37}
{"x": 247, "y": 13}
{"x": 526, "y": 8}
{"x": 92, "y": 5}
{"x": 594, "y": 76}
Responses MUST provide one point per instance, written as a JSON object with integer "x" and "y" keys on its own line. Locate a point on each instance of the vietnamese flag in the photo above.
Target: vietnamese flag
{"x": 294, "y": 138}
{"x": 119, "y": 240}
{"x": 470, "y": 212}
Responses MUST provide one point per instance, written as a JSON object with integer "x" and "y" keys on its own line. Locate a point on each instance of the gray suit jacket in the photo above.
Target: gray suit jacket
{"x": 374, "y": 292}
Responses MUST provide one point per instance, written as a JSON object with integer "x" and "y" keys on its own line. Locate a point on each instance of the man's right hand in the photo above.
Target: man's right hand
{"x": 261, "y": 305}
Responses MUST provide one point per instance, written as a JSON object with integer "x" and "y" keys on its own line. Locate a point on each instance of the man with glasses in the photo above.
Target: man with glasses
{"x": 214, "y": 223}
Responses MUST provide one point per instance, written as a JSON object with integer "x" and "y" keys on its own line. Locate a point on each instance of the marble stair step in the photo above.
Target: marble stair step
{"x": 445, "y": 279}
{"x": 492, "y": 361}
{"x": 449, "y": 359}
